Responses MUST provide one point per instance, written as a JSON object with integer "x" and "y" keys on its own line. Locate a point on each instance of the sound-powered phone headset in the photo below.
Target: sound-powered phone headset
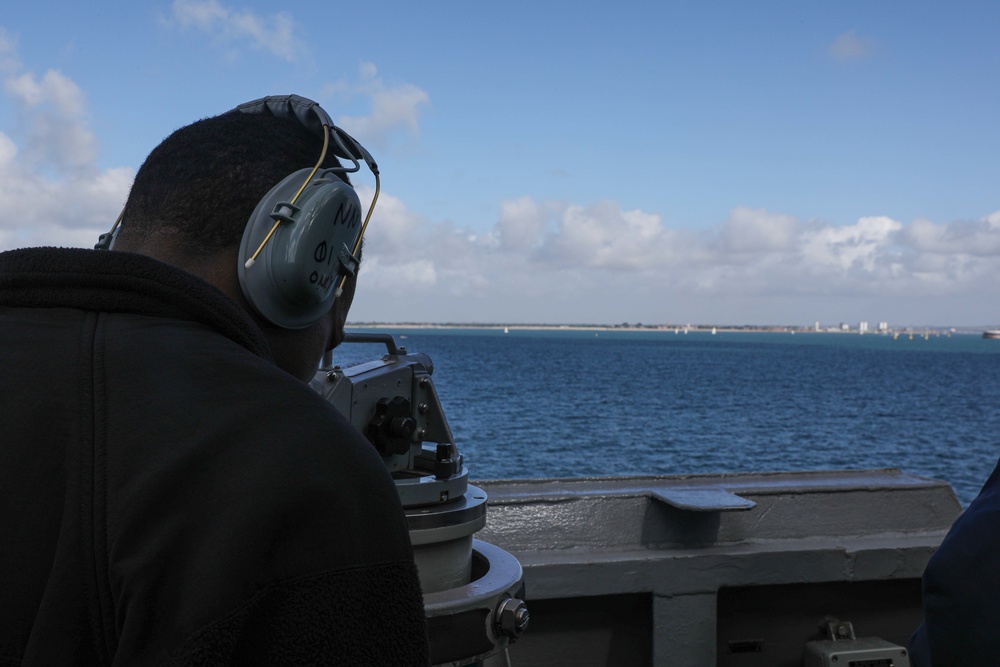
{"x": 306, "y": 232}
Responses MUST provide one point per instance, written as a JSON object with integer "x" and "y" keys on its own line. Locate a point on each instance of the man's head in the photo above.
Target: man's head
{"x": 191, "y": 201}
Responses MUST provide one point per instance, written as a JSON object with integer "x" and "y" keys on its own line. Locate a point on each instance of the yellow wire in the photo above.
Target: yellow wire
{"x": 364, "y": 226}
{"x": 118, "y": 221}
{"x": 322, "y": 156}
{"x": 361, "y": 236}
{"x": 274, "y": 228}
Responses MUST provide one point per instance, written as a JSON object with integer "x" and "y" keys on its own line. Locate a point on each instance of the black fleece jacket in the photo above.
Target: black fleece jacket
{"x": 168, "y": 496}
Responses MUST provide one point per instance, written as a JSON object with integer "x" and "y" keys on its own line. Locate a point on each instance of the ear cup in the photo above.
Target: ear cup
{"x": 294, "y": 280}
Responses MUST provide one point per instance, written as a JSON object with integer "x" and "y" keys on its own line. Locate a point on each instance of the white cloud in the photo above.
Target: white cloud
{"x": 418, "y": 274}
{"x": 522, "y": 223}
{"x": 559, "y": 262}
{"x": 393, "y": 226}
{"x": 8, "y": 152}
{"x": 974, "y": 237}
{"x": 228, "y": 26}
{"x": 603, "y": 236}
{"x": 851, "y": 248}
{"x": 390, "y": 107}
{"x": 51, "y": 188}
{"x": 851, "y": 46}
{"x": 53, "y": 110}
{"x": 8, "y": 52}
{"x": 757, "y": 230}
{"x": 53, "y": 88}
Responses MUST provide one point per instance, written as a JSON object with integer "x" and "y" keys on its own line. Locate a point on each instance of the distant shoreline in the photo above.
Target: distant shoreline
{"x": 691, "y": 328}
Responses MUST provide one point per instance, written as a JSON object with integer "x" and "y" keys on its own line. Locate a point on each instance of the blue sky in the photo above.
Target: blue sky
{"x": 666, "y": 162}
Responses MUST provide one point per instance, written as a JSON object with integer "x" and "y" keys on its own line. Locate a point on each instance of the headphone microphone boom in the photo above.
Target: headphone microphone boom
{"x": 303, "y": 239}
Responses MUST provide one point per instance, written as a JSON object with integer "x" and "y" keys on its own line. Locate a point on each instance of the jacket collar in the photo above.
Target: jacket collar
{"x": 113, "y": 281}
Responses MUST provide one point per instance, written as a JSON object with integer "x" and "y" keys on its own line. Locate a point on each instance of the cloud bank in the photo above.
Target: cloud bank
{"x": 574, "y": 263}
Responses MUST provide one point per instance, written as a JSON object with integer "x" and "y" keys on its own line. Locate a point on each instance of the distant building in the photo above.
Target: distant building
{"x": 883, "y": 326}
{"x": 862, "y": 327}
{"x": 845, "y": 327}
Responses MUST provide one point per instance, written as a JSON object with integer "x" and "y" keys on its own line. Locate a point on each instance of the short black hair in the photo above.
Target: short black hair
{"x": 202, "y": 183}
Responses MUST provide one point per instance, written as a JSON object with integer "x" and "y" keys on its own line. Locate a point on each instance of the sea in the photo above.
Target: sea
{"x": 583, "y": 403}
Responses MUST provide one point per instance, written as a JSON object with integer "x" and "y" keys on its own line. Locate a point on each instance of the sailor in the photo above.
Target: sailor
{"x": 173, "y": 491}
{"x": 961, "y": 585}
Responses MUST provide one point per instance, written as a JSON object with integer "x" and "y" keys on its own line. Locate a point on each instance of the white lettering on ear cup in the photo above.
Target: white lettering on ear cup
{"x": 296, "y": 278}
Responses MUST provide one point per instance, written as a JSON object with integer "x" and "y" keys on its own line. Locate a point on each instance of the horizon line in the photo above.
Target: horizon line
{"x": 812, "y": 328}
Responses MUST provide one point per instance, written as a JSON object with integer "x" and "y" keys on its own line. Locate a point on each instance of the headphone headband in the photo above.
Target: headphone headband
{"x": 313, "y": 117}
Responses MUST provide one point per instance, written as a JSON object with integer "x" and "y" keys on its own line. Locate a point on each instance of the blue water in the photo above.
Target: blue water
{"x": 572, "y": 403}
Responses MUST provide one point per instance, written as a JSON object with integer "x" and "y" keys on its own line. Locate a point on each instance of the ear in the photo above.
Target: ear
{"x": 341, "y": 307}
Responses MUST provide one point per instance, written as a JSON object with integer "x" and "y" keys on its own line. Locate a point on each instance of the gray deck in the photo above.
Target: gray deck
{"x": 735, "y": 569}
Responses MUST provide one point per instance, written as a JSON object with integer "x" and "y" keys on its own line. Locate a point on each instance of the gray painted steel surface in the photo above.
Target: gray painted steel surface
{"x": 733, "y": 569}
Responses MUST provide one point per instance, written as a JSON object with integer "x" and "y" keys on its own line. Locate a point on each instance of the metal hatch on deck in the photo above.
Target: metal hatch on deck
{"x": 701, "y": 499}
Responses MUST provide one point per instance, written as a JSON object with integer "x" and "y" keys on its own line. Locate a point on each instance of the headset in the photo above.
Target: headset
{"x": 303, "y": 239}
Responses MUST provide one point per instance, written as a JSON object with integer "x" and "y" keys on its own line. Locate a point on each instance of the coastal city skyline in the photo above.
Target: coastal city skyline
{"x": 752, "y": 165}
